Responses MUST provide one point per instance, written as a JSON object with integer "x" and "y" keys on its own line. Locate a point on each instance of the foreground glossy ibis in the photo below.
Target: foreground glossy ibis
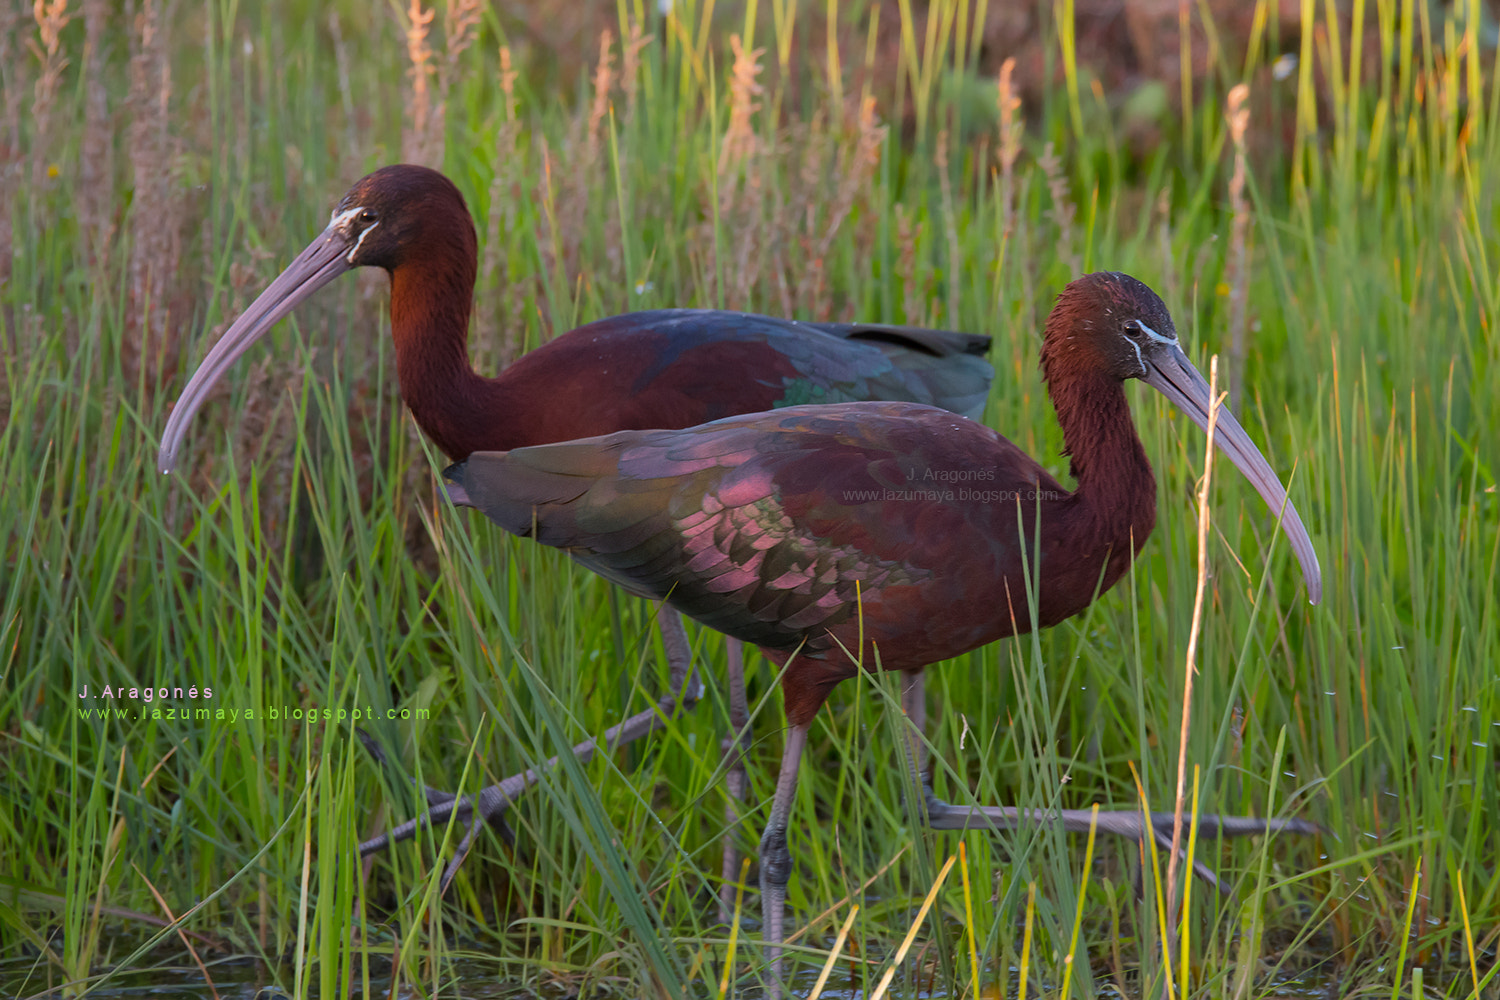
{"x": 825, "y": 534}
{"x": 666, "y": 368}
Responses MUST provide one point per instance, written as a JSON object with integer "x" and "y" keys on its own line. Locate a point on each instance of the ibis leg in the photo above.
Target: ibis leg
{"x": 490, "y": 803}
{"x": 1131, "y": 823}
{"x": 735, "y": 745}
{"x": 1122, "y": 822}
{"x": 775, "y": 857}
{"x": 914, "y": 704}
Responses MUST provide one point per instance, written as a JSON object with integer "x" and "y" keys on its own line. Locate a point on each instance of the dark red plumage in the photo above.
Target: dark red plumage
{"x": 665, "y": 368}
{"x": 662, "y": 368}
{"x": 761, "y": 525}
{"x": 916, "y": 532}
{"x": 750, "y": 523}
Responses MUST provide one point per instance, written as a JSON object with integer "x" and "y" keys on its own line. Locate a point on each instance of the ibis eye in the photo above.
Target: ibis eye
{"x": 367, "y": 216}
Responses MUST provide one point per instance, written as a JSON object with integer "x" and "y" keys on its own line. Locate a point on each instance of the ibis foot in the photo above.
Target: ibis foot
{"x": 1130, "y": 823}
{"x": 776, "y": 857}
{"x": 1127, "y": 823}
{"x": 488, "y": 806}
{"x": 440, "y": 805}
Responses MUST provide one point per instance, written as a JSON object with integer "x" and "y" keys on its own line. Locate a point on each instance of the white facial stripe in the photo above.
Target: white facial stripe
{"x": 1139, "y": 359}
{"x": 342, "y": 218}
{"x": 355, "y": 249}
{"x": 1154, "y": 335}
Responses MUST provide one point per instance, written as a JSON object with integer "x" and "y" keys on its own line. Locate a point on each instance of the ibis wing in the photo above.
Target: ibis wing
{"x": 692, "y": 518}
{"x": 715, "y": 362}
{"x": 861, "y": 361}
{"x": 768, "y": 527}
{"x": 913, "y": 339}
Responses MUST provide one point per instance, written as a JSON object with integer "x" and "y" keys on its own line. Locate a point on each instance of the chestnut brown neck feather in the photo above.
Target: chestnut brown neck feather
{"x": 431, "y": 296}
{"x": 1116, "y": 487}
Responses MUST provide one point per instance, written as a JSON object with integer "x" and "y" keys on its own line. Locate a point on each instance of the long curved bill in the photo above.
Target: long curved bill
{"x": 324, "y": 259}
{"x": 1170, "y": 372}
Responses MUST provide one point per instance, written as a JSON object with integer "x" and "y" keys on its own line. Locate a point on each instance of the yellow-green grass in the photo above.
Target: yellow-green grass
{"x": 303, "y": 557}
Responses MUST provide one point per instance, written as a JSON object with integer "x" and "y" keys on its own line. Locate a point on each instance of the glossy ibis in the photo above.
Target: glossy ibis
{"x": 665, "y": 368}
{"x": 763, "y": 526}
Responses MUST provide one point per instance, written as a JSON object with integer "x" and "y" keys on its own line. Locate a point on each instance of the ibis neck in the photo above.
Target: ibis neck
{"x": 455, "y": 406}
{"x": 1116, "y": 487}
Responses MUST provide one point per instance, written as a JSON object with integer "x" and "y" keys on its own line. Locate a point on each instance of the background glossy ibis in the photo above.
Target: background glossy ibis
{"x": 763, "y": 525}
{"x": 666, "y": 368}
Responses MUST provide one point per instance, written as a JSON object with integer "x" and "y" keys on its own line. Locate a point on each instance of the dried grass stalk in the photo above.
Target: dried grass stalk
{"x": 630, "y": 74}
{"x": 1238, "y": 277}
{"x": 12, "y": 159}
{"x": 1190, "y": 667}
{"x": 156, "y": 216}
{"x": 1011, "y": 130}
{"x": 913, "y": 301}
{"x": 415, "y": 139}
{"x": 508, "y": 76}
{"x": 855, "y": 170}
{"x": 502, "y": 331}
{"x": 460, "y": 30}
{"x": 550, "y": 244}
{"x": 950, "y": 228}
{"x": 604, "y": 84}
{"x": 739, "y": 138}
{"x": 96, "y": 188}
{"x": 752, "y": 235}
{"x": 1063, "y": 210}
{"x": 51, "y": 18}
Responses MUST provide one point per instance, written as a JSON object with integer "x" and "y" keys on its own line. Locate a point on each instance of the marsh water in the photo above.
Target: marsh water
{"x": 245, "y": 979}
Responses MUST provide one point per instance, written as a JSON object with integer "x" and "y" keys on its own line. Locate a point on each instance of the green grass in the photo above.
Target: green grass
{"x": 303, "y": 558}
